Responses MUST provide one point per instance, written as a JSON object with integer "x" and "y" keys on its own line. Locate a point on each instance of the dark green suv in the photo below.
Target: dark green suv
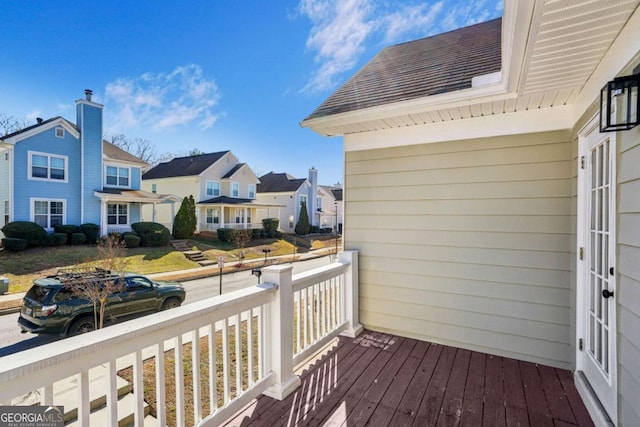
{"x": 53, "y": 305}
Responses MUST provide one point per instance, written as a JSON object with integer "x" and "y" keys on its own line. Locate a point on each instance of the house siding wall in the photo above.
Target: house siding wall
{"x": 467, "y": 243}
{"x": 5, "y": 182}
{"x": 90, "y": 125}
{"x": 282, "y": 213}
{"x": 181, "y": 187}
{"x": 25, "y": 188}
{"x": 628, "y": 286}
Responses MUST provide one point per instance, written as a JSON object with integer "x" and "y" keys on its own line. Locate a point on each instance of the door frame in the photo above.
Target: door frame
{"x": 590, "y": 398}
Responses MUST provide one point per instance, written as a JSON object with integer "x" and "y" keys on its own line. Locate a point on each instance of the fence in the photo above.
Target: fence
{"x": 240, "y": 344}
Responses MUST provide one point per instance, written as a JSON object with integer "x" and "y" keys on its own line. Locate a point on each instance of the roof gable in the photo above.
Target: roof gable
{"x": 279, "y": 183}
{"x": 43, "y": 126}
{"x": 429, "y": 66}
{"x": 184, "y": 166}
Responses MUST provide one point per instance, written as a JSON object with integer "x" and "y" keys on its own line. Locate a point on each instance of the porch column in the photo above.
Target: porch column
{"x": 153, "y": 214}
{"x": 280, "y": 330}
{"x": 173, "y": 214}
{"x": 103, "y": 217}
{"x": 221, "y": 216}
{"x": 351, "y": 284}
{"x": 244, "y": 218}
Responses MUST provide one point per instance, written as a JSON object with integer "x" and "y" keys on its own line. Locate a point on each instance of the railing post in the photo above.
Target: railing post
{"x": 280, "y": 328}
{"x": 351, "y": 295}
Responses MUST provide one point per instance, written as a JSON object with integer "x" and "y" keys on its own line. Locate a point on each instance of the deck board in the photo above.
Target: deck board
{"x": 379, "y": 379}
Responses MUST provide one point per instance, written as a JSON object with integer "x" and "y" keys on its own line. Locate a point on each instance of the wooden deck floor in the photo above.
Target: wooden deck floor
{"x": 383, "y": 380}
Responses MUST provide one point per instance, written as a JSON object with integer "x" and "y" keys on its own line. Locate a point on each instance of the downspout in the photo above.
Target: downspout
{"x": 82, "y": 166}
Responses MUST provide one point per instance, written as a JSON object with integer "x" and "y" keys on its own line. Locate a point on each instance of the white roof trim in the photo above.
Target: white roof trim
{"x": 520, "y": 122}
{"x": 42, "y": 128}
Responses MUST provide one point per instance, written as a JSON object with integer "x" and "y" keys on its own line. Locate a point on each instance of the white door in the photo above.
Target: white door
{"x": 598, "y": 273}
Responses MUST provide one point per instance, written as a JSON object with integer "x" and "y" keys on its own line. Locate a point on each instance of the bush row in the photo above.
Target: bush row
{"x": 226, "y": 234}
{"x": 20, "y": 235}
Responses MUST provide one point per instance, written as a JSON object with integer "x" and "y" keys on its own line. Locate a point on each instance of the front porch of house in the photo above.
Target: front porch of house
{"x": 298, "y": 340}
{"x": 379, "y": 379}
{"x": 229, "y": 212}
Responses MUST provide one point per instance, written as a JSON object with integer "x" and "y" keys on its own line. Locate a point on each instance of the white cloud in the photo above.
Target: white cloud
{"x": 339, "y": 30}
{"x": 32, "y": 116}
{"x": 162, "y": 100}
{"x": 342, "y": 29}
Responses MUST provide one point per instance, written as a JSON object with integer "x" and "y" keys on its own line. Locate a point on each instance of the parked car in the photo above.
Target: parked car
{"x": 53, "y": 305}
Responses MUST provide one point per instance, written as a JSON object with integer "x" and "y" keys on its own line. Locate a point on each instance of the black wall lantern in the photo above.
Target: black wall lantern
{"x": 620, "y": 103}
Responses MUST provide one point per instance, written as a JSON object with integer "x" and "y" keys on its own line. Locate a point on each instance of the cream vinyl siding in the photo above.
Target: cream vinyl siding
{"x": 181, "y": 187}
{"x": 468, "y": 243}
{"x": 628, "y": 277}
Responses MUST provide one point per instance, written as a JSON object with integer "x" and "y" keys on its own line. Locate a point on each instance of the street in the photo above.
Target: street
{"x": 13, "y": 341}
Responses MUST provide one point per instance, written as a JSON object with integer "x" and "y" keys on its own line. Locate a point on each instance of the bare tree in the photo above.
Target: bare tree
{"x": 241, "y": 238}
{"x": 97, "y": 283}
{"x": 139, "y": 147}
{"x": 10, "y": 124}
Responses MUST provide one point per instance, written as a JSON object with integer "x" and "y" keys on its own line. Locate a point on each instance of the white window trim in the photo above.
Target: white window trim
{"x": 235, "y": 184}
{"x": 215, "y": 213}
{"x": 213, "y": 189}
{"x": 32, "y": 211}
{"x": 118, "y": 167}
{"x": 252, "y": 191}
{"x": 6, "y": 213}
{"x": 306, "y": 200}
{"x": 106, "y": 219}
{"x": 30, "y": 155}
{"x": 59, "y": 128}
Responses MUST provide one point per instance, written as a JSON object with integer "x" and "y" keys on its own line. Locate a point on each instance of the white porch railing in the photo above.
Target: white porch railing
{"x": 251, "y": 331}
{"x": 214, "y": 227}
{"x": 113, "y": 228}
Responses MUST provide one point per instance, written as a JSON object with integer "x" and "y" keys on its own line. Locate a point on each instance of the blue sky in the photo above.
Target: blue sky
{"x": 213, "y": 75}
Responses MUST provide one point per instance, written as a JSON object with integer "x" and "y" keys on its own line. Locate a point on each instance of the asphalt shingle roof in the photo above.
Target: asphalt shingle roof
{"x": 184, "y": 166}
{"x": 114, "y": 152}
{"x": 279, "y": 183}
{"x": 429, "y": 66}
{"x": 235, "y": 169}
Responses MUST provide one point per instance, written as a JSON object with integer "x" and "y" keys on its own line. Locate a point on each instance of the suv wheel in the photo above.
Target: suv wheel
{"x": 170, "y": 303}
{"x": 81, "y": 325}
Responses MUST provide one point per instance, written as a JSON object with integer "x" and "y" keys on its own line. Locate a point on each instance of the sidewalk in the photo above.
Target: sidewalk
{"x": 11, "y": 302}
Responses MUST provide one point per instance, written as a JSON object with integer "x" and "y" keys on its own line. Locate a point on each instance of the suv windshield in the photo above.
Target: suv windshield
{"x": 38, "y": 293}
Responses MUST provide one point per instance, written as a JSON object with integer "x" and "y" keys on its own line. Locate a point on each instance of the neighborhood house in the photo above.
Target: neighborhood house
{"x": 58, "y": 172}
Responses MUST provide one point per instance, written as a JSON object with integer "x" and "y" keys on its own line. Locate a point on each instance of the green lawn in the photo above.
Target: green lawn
{"x": 21, "y": 268}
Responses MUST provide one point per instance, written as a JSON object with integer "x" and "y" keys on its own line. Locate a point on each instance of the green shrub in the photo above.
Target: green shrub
{"x": 270, "y": 223}
{"x": 303, "y": 227}
{"x": 255, "y": 233}
{"x": 92, "y": 231}
{"x": 263, "y": 234}
{"x": 279, "y": 234}
{"x": 55, "y": 239}
{"x": 326, "y": 230}
{"x": 14, "y": 244}
{"x": 314, "y": 229}
{"x": 30, "y": 231}
{"x": 78, "y": 238}
{"x": 66, "y": 228}
{"x": 225, "y": 234}
{"x": 131, "y": 240}
{"x": 184, "y": 224}
{"x": 151, "y": 233}
{"x": 271, "y": 234}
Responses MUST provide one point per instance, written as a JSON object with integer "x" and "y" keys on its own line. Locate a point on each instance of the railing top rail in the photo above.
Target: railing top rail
{"x": 320, "y": 274}
{"x": 120, "y": 340}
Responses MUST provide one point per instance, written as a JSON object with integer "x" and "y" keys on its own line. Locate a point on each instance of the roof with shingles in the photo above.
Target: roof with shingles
{"x": 110, "y": 150}
{"x": 184, "y": 166}
{"x": 235, "y": 169}
{"x": 336, "y": 192}
{"x": 279, "y": 183}
{"x": 114, "y": 152}
{"x": 433, "y": 65}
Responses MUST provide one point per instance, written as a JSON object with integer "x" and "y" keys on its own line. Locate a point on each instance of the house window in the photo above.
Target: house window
{"x": 6, "y": 212}
{"x": 235, "y": 189}
{"x": 60, "y": 132}
{"x": 213, "y": 188}
{"x": 117, "y": 213}
{"x": 303, "y": 199}
{"x": 319, "y": 204}
{"x": 48, "y": 213}
{"x": 291, "y": 224}
{"x": 213, "y": 216}
{"x": 117, "y": 177}
{"x": 239, "y": 216}
{"x": 154, "y": 188}
{"x": 6, "y": 156}
{"x": 252, "y": 191}
{"x": 47, "y": 166}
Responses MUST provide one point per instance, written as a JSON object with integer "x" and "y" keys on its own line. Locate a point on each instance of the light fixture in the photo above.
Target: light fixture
{"x": 620, "y": 103}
